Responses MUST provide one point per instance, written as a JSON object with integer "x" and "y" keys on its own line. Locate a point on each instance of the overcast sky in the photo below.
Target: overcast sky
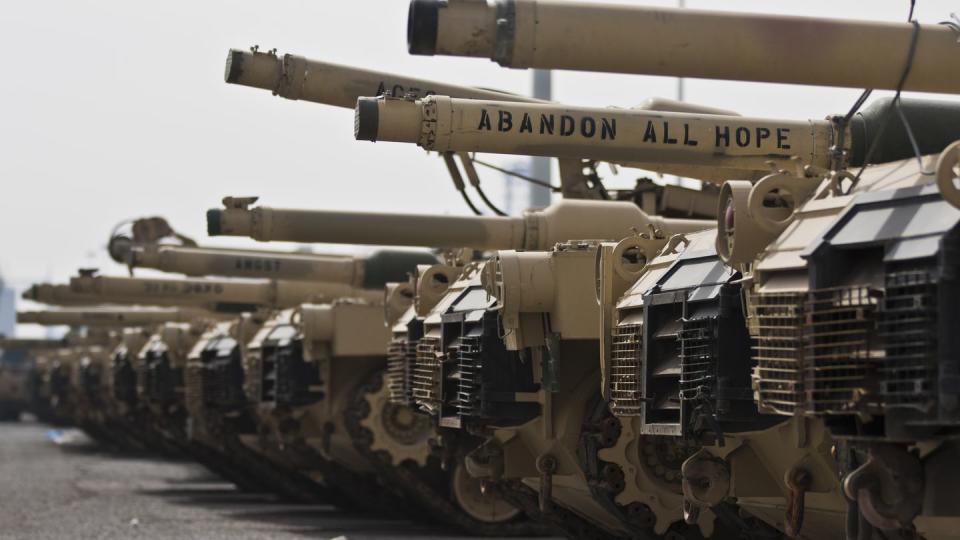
{"x": 115, "y": 109}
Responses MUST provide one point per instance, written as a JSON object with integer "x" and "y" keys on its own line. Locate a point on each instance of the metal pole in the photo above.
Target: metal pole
{"x": 680, "y": 4}
{"x": 540, "y": 166}
{"x": 676, "y": 180}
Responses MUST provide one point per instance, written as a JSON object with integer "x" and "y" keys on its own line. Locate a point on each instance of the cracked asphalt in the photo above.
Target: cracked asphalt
{"x": 79, "y": 490}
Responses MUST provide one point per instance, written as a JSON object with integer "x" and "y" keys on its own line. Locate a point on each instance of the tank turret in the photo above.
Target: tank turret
{"x": 550, "y": 34}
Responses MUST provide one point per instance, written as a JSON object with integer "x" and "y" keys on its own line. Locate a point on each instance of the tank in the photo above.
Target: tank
{"x": 318, "y": 376}
{"x": 102, "y": 371}
{"x": 824, "y": 298}
{"x": 514, "y": 342}
{"x": 861, "y": 336}
{"x": 679, "y": 418}
{"x": 219, "y": 413}
{"x": 41, "y": 365}
{"x": 18, "y": 375}
{"x": 96, "y": 362}
{"x": 670, "y": 142}
{"x": 222, "y": 420}
{"x": 73, "y": 386}
{"x": 551, "y": 34}
{"x": 536, "y": 229}
{"x": 490, "y": 355}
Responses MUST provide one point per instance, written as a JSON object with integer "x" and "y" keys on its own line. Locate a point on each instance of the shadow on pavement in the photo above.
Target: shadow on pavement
{"x": 299, "y": 519}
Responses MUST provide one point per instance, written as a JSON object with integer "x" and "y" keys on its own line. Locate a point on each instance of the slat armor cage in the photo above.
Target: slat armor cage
{"x": 869, "y": 345}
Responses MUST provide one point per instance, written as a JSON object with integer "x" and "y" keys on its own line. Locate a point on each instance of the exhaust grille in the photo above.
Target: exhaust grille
{"x": 401, "y": 355}
{"x": 90, "y": 379}
{"x": 253, "y": 371}
{"x": 468, "y": 351}
{"x": 427, "y": 372}
{"x": 268, "y": 373}
{"x": 908, "y": 331}
{"x": 698, "y": 358}
{"x": 838, "y": 330}
{"x": 161, "y": 379}
{"x": 124, "y": 379}
{"x": 295, "y": 376}
{"x": 222, "y": 384}
{"x": 662, "y": 371}
{"x": 625, "y": 365}
{"x": 286, "y": 377}
{"x": 778, "y": 351}
{"x": 193, "y": 386}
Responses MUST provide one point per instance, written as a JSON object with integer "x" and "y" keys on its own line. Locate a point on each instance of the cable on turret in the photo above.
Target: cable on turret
{"x": 895, "y": 105}
{"x": 458, "y": 181}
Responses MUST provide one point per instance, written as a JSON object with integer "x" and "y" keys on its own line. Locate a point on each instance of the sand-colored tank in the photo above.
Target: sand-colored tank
{"x": 18, "y": 374}
{"x": 820, "y": 292}
{"x": 318, "y": 376}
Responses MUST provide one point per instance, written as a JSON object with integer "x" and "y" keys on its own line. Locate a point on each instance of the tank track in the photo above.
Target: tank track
{"x": 275, "y": 478}
{"x": 562, "y": 520}
{"x": 242, "y": 468}
{"x": 600, "y": 430}
{"x": 350, "y": 489}
{"x": 427, "y": 486}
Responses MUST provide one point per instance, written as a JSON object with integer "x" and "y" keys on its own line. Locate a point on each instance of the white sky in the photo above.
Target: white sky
{"x": 115, "y": 109}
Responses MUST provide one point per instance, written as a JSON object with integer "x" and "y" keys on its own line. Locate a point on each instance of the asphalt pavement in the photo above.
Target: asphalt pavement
{"x": 77, "y": 489}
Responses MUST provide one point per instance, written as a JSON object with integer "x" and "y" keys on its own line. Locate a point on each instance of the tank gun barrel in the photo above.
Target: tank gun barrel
{"x": 298, "y": 78}
{"x": 369, "y": 272}
{"x": 116, "y": 317}
{"x": 623, "y": 136}
{"x": 31, "y": 343}
{"x": 649, "y": 139}
{"x": 550, "y": 34}
{"x": 58, "y": 294}
{"x": 540, "y": 229}
{"x": 225, "y": 294}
